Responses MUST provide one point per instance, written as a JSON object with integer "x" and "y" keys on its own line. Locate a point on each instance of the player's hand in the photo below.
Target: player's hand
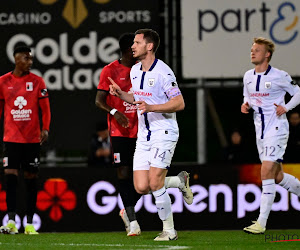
{"x": 44, "y": 136}
{"x": 121, "y": 119}
{"x": 280, "y": 110}
{"x": 114, "y": 88}
{"x": 245, "y": 108}
{"x": 143, "y": 106}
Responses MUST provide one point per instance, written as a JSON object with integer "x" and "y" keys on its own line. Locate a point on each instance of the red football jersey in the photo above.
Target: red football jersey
{"x": 21, "y": 107}
{"x": 121, "y": 75}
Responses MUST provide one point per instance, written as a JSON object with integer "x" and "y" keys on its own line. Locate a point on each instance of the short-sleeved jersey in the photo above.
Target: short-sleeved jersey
{"x": 121, "y": 75}
{"x": 261, "y": 91}
{"x": 153, "y": 87}
{"x": 21, "y": 107}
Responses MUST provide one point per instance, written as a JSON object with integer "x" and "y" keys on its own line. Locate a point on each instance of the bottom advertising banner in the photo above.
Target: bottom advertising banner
{"x": 87, "y": 200}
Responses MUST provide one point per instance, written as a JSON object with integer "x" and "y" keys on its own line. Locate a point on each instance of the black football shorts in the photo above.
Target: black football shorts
{"x": 123, "y": 150}
{"x": 24, "y": 156}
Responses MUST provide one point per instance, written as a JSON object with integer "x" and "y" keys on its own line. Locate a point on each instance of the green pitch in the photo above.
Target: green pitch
{"x": 119, "y": 240}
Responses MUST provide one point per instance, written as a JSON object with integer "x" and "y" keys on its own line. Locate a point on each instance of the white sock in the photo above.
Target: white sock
{"x": 266, "y": 201}
{"x": 291, "y": 184}
{"x": 172, "y": 182}
{"x": 163, "y": 203}
{"x": 134, "y": 225}
{"x": 168, "y": 224}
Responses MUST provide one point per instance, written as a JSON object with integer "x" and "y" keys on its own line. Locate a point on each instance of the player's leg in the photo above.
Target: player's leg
{"x": 182, "y": 182}
{"x": 30, "y": 164}
{"x": 289, "y": 182}
{"x": 161, "y": 156}
{"x": 11, "y": 164}
{"x": 271, "y": 151}
{"x": 123, "y": 149}
{"x": 163, "y": 203}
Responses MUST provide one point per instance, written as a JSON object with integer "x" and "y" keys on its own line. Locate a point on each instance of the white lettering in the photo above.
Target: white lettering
{"x": 137, "y": 16}
{"x": 109, "y": 202}
{"x": 107, "y": 49}
{"x": 12, "y": 44}
{"x": 243, "y": 205}
{"x": 90, "y": 44}
{"x": 53, "y": 56}
{"x": 283, "y": 203}
{"x": 214, "y": 190}
{"x": 200, "y": 193}
{"x": 25, "y": 18}
{"x": 295, "y": 202}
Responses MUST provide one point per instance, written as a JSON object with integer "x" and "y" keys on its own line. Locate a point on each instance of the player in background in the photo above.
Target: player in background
{"x": 157, "y": 96}
{"x": 264, "y": 91}
{"x": 22, "y": 95}
{"x": 122, "y": 126}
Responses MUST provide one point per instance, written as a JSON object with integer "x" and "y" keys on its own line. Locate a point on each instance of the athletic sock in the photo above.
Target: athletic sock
{"x": 163, "y": 203}
{"x": 291, "y": 184}
{"x": 31, "y": 186}
{"x": 130, "y": 213}
{"x": 168, "y": 224}
{"x": 11, "y": 195}
{"x": 129, "y": 197}
{"x": 267, "y": 200}
{"x": 172, "y": 182}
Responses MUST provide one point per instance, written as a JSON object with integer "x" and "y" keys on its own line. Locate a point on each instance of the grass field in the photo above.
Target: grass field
{"x": 119, "y": 240}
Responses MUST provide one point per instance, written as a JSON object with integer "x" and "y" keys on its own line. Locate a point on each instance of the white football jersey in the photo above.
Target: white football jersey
{"x": 152, "y": 87}
{"x": 261, "y": 91}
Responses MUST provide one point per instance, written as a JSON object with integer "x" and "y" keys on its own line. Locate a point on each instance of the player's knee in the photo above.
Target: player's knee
{"x": 141, "y": 189}
{"x": 155, "y": 185}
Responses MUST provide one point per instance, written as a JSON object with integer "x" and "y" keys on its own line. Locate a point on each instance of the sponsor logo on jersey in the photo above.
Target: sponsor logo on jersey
{"x": 259, "y": 94}
{"x": 29, "y": 86}
{"x": 129, "y": 108}
{"x": 268, "y": 85}
{"x": 151, "y": 82}
{"x": 21, "y": 114}
{"x": 142, "y": 93}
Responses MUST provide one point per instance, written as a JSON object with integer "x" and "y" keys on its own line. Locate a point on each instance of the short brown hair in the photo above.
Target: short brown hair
{"x": 151, "y": 36}
{"x": 270, "y": 46}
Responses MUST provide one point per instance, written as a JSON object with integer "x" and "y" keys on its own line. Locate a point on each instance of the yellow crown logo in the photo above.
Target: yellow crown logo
{"x": 75, "y": 11}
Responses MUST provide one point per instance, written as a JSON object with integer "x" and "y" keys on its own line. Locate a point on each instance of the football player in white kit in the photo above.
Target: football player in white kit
{"x": 155, "y": 91}
{"x": 264, "y": 91}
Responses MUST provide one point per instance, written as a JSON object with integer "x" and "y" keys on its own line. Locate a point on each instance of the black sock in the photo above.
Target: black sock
{"x": 11, "y": 195}
{"x": 130, "y": 213}
{"x": 31, "y": 185}
{"x": 129, "y": 197}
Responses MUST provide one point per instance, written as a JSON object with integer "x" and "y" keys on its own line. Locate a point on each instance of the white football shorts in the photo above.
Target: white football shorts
{"x": 272, "y": 148}
{"x": 156, "y": 154}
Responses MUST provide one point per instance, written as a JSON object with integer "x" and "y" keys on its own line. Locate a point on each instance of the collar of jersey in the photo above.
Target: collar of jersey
{"x": 267, "y": 71}
{"x": 152, "y": 66}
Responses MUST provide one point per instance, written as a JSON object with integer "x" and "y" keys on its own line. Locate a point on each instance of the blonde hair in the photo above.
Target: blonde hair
{"x": 269, "y": 45}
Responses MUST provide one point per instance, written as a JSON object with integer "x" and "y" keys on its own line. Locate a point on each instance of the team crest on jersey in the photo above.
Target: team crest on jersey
{"x": 268, "y": 85}
{"x": 29, "y": 86}
{"x": 151, "y": 82}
